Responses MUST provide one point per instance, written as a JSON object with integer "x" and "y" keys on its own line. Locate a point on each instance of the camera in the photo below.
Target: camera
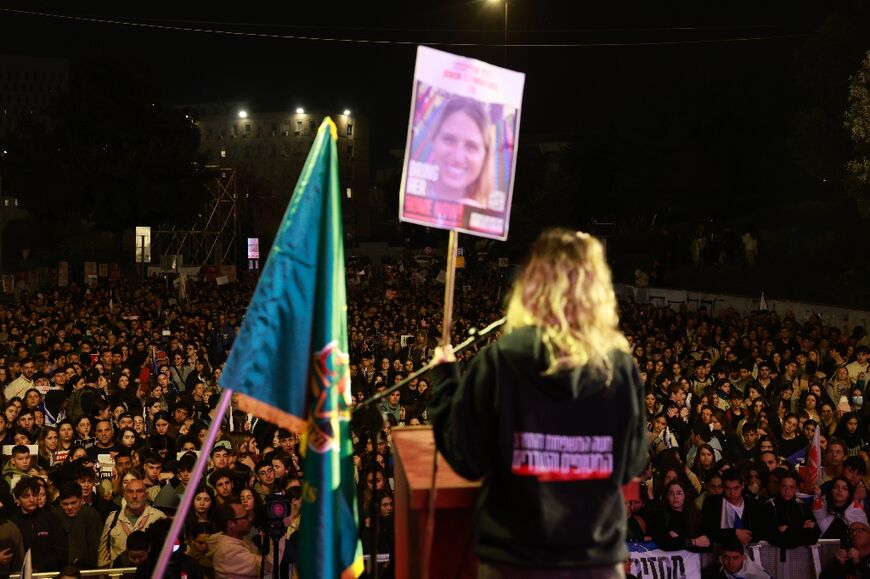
{"x": 277, "y": 509}
{"x": 846, "y": 542}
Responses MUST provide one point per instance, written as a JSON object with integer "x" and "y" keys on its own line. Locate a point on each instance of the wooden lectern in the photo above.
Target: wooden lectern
{"x": 452, "y": 546}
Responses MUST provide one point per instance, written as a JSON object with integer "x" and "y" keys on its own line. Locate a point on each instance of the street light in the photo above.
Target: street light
{"x": 346, "y": 112}
{"x": 243, "y": 114}
{"x": 300, "y": 111}
{"x": 505, "y": 25}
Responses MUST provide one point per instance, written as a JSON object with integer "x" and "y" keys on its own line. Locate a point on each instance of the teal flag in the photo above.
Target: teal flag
{"x": 290, "y": 362}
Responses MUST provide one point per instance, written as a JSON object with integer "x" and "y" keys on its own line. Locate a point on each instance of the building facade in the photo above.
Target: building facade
{"x": 29, "y": 86}
{"x": 267, "y": 149}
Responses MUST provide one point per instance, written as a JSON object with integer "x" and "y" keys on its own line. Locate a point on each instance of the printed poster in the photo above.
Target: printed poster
{"x": 461, "y": 151}
{"x": 657, "y": 564}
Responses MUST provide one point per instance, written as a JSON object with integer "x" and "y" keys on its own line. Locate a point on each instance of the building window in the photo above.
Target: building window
{"x": 285, "y": 130}
{"x": 247, "y": 151}
{"x": 349, "y": 129}
{"x": 208, "y": 133}
{"x": 298, "y": 128}
{"x": 223, "y": 134}
{"x": 350, "y": 150}
{"x": 285, "y": 150}
{"x": 312, "y": 126}
{"x": 274, "y": 130}
{"x": 273, "y": 151}
{"x": 234, "y": 131}
{"x": 247, "y": 129}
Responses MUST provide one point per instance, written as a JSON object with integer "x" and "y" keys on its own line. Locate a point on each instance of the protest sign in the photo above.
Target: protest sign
{"x": 462, "y": 143}
{"x": 658, "y": 564}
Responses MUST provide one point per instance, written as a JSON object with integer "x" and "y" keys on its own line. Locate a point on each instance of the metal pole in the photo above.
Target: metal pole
{"x": 505, "y": 30}
{"x": 195, "y": 476}
{"x": 449, "y": 283}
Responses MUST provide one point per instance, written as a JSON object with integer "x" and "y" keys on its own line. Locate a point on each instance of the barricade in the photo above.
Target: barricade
{"x": 800, "y": 563}
{"x": 110, "y": 573}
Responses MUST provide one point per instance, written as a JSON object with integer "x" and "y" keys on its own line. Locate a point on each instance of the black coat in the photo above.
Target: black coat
{"x": 753, "y": 519}
{"x": 793, "y": 514}
{"x": 554, "y": 450}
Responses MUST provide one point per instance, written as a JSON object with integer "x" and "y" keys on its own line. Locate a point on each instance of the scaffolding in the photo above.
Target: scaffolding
{"x": 213, "y": 238}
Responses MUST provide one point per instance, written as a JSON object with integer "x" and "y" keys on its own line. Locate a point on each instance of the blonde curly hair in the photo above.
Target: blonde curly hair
{"x": 565, "y": 289}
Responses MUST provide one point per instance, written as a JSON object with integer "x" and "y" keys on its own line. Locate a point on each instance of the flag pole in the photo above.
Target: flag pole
{"x": 195, "y": 476}
{"x": 446, "y": 327}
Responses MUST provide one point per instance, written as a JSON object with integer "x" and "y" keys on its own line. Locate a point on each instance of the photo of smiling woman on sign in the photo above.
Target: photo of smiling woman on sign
{"x": 462, "y": 152}
{"x": 461, "y": 149}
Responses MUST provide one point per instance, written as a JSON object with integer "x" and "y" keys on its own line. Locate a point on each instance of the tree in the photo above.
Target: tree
{"x": 112, "y": 156}
{"x": 857, "y": 122}
{"x": 825, "y": 62}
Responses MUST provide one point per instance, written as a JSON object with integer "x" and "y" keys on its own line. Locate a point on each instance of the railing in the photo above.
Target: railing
{"x": 111, "y": 573}
{"x": 799, "y": 563}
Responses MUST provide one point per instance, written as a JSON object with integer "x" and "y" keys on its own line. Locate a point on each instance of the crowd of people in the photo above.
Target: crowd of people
{"x": 108, "y": 392}
{"x": 733, "y": 403}
{"x": 107, "y": 396}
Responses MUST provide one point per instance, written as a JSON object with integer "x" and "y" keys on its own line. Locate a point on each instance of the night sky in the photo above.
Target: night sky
{"x": 665, "y": 46}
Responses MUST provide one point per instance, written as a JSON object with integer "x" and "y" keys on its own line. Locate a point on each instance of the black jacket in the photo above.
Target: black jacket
{"x": 753, "y": 519}
{"x": 44, "y": 535}
{"x": 554, "y": 451}
{"x": 793, "y": 515}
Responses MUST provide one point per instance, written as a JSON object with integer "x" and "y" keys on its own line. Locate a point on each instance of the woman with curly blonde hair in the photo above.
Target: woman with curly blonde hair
{"x": 565, "y": 289}
{"x": 551, "y": 416}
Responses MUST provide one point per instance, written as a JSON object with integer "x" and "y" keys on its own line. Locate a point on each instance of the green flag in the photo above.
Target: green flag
{"x": 290, "y": 363}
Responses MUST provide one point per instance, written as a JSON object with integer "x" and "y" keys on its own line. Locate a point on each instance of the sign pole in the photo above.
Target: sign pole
{"x": 446, "y": 327}
{"x": 195, "y": 479}
{"x": 449, "y": 284}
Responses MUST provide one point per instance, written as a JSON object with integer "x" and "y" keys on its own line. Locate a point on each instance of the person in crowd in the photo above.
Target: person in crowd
{"x": 678, "y": 524}
{"x": 136, "y": 516}
{"x": 82, "y": 524}
{"x": 11, "y": 540}
{"x": 235, "y": 555}
{"x": 41, "y": 530}
{"x": 136, "y": 552}
{"x": 836, "y": 509}
{"x": 791, "y": 523}
{"x": 733, "y": 562}
{"x": 733, "y": 515}
{"x": 852, "y": 558}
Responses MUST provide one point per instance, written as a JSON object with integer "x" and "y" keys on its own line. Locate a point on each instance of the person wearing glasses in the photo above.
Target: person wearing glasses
{"x": 853, "y": 557}
{"x": 235, "y": 554}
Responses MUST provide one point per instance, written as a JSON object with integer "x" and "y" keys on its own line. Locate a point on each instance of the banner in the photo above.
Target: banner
{"x": 62, "y": 273}
{"x": 461, "y": 150}
{"x": 658, "y": 564}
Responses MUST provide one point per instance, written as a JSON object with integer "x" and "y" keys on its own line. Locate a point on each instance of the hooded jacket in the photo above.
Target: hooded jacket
{"x": 553, "y": 451}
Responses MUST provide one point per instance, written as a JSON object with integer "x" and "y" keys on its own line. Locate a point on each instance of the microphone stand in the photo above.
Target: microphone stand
{"x": 474, "y": 336}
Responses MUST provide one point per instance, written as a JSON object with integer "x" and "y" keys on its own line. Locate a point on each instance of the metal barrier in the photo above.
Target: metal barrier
{"x": 110, "y": 573}
{"x": 800, "y": 563}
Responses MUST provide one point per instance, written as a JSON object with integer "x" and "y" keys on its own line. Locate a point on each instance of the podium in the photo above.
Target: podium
{"x": 453, "y": 542}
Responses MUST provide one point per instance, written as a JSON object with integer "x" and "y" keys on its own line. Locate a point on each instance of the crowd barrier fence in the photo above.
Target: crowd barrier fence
{"x": 110, "y": 573}
{"x": 799, "y": 563}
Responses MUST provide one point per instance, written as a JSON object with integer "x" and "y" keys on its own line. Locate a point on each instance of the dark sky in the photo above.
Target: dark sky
{"x": 565, "y": 86}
